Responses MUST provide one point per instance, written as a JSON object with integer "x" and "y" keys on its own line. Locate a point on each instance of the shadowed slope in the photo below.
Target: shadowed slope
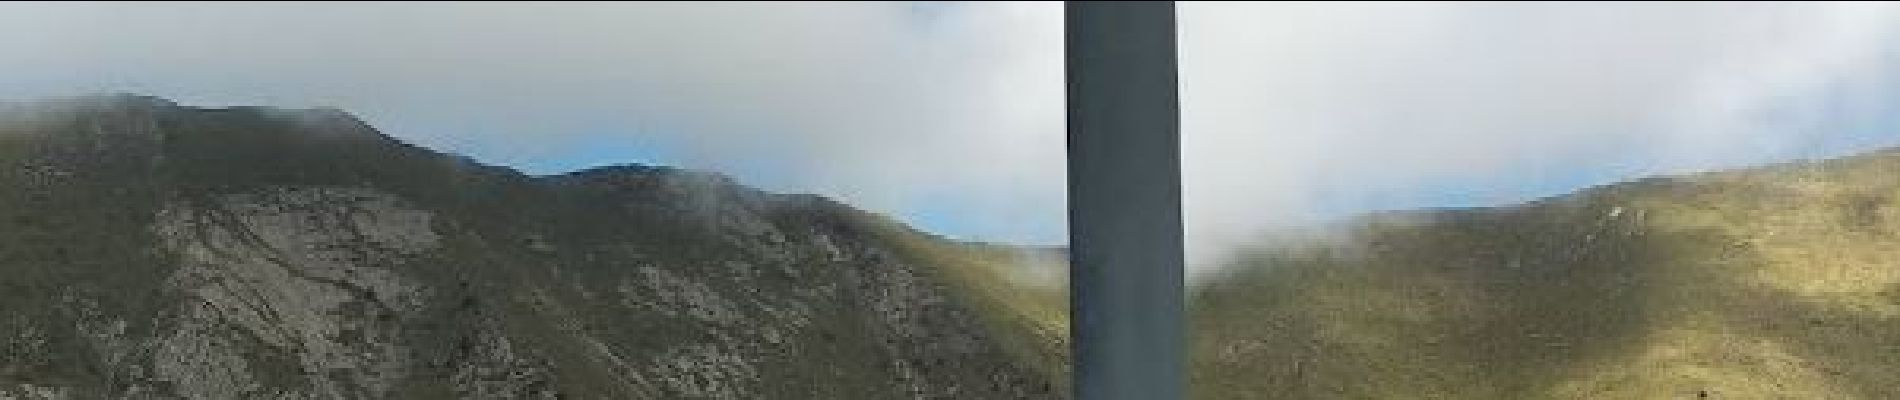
{"x": 155, "y": 250}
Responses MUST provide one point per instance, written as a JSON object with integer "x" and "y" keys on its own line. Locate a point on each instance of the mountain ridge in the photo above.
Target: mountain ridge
{"x": 160, "y": 250}
{"x": 1774, "y": 281}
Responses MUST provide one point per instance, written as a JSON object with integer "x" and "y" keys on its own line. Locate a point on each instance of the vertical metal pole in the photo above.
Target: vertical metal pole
{"x": 1125, "y": 201}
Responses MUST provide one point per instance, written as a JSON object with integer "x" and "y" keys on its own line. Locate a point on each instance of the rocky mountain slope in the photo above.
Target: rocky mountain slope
{"x": 151, "y": 250}
{"x": 1774, "y": 282}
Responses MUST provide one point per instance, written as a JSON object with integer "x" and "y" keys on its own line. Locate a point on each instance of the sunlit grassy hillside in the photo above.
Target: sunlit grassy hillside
{"x": 1775, "y": 282}
{"x": 1030, "y": 317}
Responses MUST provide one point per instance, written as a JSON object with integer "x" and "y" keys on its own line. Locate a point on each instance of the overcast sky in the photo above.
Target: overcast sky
{"x": 950, "y": 114}
{"x": 1297, "y": 113}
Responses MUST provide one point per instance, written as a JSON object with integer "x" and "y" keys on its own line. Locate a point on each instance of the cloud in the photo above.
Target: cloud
{"x": 1293, "y": 113}
{"x": 896, "y": 107}
{"x": 1298, "y": 112}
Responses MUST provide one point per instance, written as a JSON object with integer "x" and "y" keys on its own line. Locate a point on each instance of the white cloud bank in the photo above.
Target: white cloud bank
{"x": 1292, "y": 108}
{"x": 1292, "y": 111}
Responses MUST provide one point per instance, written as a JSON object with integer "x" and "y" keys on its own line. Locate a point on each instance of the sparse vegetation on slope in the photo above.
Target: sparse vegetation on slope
{"x": 1773, "y": 282}
{"x": 156, "y": 250}
{"x": 1031, "y": 317}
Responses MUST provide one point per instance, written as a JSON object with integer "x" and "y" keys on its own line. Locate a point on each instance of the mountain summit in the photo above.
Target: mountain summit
{"x": 153, "y": 250}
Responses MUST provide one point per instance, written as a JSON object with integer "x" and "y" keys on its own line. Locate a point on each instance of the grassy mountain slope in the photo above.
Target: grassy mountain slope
{"x": 154, "y": 250}
{"x": 1774, "y": 282}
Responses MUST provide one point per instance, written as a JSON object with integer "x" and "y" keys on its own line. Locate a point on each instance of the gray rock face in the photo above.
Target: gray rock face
{"x": 157, "y": 251}
{"x": 299, "y": 271}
